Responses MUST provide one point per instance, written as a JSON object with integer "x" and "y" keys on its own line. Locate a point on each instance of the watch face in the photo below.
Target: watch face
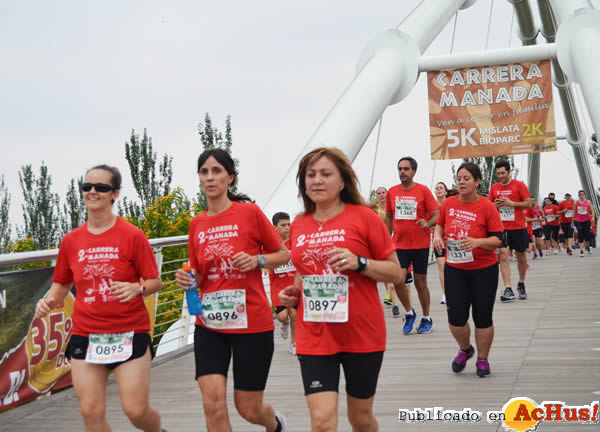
{"x": 362, "y": 260}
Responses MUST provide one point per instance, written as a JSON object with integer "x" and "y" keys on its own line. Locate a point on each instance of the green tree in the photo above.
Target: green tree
{"x": 41, "y": 208}
{"x": 488, "y": 173}
{"x": 151, "y": 179}
{"x": 74, "y": 211}
{"x": 5, "y": 226}
{"x": 211, "y": 138}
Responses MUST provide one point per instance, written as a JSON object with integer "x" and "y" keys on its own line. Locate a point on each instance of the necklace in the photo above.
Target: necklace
{"x": 334, "y": 214}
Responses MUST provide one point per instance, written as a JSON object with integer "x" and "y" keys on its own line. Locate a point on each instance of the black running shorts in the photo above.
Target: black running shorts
{"x": 417, "y": 257}
{"x": 78, "y": 345}
{"x": 537, "y": 233}
{"x": 551, "y": 232}
{"x": 322, "y": 373}
{"x": 567, "y": 229}
{"x": 252, "y": 354}
{"x": 470, "y": 288}
{"x": 584, "y": 230}
{"x": 516, "y": 239}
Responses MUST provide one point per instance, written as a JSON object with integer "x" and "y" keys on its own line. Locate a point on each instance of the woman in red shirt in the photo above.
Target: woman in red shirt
{"x": 552, "y": 226}
{"x": 106, "y": 258}
{"x": 226, "y": 247}
{"x": 473, "y": 230}
{"x": 340, "y": 249}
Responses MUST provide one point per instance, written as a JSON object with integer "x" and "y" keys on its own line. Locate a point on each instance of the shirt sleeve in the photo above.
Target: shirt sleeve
{"x": 379, "y": 239}
{"x": 62, "y": 270}
{"x": 524, "y": 192}
{"x": 494, "y": 223}
{"x": 270, "y": 239}
{"x": 491, "y": 194}
{"x": 388, "y": 202}
{"x": 442, "y": 217}
{"x": 430, "y": 202}
{"x": 144, "y": 260}
{"x": 192, "y": 245}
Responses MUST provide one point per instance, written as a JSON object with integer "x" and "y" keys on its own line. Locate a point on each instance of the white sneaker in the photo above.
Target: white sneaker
{"x": 281, "y": 419}
{"x": 283, "y": 330}
{"x": 555, "y": 252}
{"x": 443, "y": 299}
{"x": 292, "y": 349}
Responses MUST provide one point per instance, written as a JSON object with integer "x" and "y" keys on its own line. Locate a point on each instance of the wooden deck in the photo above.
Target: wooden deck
{"x": 545, "y": 348}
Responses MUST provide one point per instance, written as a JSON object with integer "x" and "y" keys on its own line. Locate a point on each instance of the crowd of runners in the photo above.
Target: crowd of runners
{"x": 324, "y": 267}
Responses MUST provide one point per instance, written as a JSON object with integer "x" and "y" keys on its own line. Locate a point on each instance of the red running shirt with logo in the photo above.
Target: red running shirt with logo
{"x": 213, "y": 242}
{"x": 93, "y": 262}
{"x": 360, "y": 230}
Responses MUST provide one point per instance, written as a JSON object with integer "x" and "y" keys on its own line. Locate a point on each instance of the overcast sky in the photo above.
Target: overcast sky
{"x": 78, "y": 76}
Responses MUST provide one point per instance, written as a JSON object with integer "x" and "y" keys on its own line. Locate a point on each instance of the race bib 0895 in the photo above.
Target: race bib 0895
{"x": 106, "y": 348}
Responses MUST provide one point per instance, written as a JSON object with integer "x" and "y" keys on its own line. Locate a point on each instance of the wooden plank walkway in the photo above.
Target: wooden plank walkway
{"x": 543, "y": 349}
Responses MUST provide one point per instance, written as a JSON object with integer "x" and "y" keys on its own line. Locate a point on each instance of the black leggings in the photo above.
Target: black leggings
{"x": 583, "y": 230}
{"x": 466, "y": 288}
{"x": 551, "y": 232}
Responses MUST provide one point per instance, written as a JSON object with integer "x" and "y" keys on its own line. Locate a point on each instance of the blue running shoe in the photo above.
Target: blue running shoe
{"x": 409, "y": 322}
{"x": 425, "y": 326}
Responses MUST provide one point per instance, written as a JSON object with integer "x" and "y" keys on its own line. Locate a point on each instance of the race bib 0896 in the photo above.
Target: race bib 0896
{"x": 224, "y": 310}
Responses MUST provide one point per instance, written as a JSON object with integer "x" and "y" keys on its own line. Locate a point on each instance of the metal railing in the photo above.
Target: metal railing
{"x": 172, "y": 319}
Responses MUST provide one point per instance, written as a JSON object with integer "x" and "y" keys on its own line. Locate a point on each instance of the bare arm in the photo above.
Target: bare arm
{"x": 438, "y": 238}
{"x": 245, "y": 262}
{"x": 55, "y": 297}
{"x": 386, "y": 270}
{"x": 389, "y": 223}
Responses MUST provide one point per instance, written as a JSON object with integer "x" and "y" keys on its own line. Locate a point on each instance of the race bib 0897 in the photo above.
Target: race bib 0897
{"x": 325, "y": 298}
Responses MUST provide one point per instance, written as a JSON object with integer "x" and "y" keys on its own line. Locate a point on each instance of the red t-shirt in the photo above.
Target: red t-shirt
{"x": 516, "y": 191}
{"x": 93, "y": 262}
{"x": 360, "y": 230}
{"x": 569, "y": 206}
{"x": 281, "y": 277}
{"x": 529, "y": 213}
{"x": 475, "y": 220}
{"x": 407, "y": 207}
{"x": 552, "y": 210}
{"x": 213, "y": 242}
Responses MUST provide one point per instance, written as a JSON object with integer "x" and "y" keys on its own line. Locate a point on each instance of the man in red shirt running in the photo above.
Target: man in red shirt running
{"x": 509, "y": 195}
{"x": 411, "y": 210}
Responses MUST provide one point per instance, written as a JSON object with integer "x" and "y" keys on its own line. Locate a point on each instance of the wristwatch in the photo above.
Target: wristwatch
{"x": 262, "y": 261}
{"x": 362, "y": 264}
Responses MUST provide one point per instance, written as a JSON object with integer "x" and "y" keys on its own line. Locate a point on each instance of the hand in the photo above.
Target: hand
{"x": 183, "y": 279}
{"x": 499, "y": 202}
{"x": 244, "y": 262}
{"x": 438, "y": 243}
{"x": 423, "y": 223}
{"x": 342, "y": 259}
{"x": 42, "y": 308}
{"x": 468, "y": 244}
{"x": 125, "y": 291}
{"x": 290, "y": 296}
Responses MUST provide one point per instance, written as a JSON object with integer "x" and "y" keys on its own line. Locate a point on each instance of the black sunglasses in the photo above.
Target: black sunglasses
{"x": 100, "y": 187}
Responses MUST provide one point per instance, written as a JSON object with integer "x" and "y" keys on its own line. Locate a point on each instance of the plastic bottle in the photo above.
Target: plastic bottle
{"x": 193, "y": 298}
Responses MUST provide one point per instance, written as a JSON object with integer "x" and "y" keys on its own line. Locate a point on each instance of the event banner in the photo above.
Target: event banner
{"x": 491, "y": 111}
{"x": 32, "y": 352}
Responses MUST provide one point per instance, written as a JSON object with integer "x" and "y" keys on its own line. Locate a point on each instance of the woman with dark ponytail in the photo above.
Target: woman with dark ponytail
{"x": 229, "y": 244}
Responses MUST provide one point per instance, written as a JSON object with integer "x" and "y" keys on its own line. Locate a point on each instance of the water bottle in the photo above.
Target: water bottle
{"x": 193, "y": 298}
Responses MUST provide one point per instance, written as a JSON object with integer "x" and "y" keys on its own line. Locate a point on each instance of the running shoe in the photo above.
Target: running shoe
{"x": 284, "y": 330}
{"x": 409, "y": 278}
{"x": 534, "y": 257}
{"x": 426, "y": 326}
{"x": 521, "y": 291}
{"x": 292, "y": 349}
{"x": 395, "y": 311}
{"x": 443, "y": 299}
{"x": 555, "y": 251}
{"x": 569, "y": 252}
{"x": 409, "y": 322}
{"x": 460, "y": 361}
{"x": 508, "y": 295}
{"x": 483, "y": 367}
{"x": 581, "y": 254}
{"x": 281, "y": 423}
{"x": 388, "y": 300}
{"x": 541, "y": 253}
{"x": 589, "y": 251}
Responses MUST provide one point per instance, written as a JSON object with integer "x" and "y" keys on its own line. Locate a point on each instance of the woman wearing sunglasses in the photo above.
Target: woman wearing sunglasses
{"x": 107, "y": 258}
